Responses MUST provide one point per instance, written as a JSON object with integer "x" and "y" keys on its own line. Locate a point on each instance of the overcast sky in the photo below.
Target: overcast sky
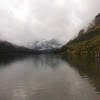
{"x": 23, "y": 21}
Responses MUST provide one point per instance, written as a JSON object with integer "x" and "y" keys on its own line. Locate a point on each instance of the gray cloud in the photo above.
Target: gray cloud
{"x": 23, "y": 21}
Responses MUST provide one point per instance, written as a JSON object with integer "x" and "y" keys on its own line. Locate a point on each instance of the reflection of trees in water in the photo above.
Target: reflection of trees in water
{"x": 88, "y": 68}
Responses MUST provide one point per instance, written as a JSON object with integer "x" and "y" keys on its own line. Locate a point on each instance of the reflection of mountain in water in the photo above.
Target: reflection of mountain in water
{"x": 51, "y": 60}
{"x": 8, "y": 59}
{"x": 88, "y": 68}
{"x": 43, "y": 76}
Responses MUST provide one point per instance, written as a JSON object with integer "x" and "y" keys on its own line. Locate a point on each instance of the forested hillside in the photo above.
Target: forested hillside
{"x": 87, "y": 42}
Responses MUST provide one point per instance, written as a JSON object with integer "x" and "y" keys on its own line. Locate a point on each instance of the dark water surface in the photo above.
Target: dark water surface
{"x": 49, "y": 77}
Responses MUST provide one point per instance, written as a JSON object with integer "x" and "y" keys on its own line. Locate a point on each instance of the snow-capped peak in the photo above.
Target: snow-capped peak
{"x": 46, "y": 45}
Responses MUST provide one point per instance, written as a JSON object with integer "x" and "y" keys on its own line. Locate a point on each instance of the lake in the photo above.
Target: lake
{"x": 49, "y": 77}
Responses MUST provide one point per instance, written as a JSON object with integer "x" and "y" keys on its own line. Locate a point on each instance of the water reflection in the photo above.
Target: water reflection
{"x": 88, "y": 68}
{"x": 51, "y": 60}
{"x": 49, "y": 77}
{"x": 46, "y": 60}
{"x": 8, "y": 59}
{"x": 98, "y": 60}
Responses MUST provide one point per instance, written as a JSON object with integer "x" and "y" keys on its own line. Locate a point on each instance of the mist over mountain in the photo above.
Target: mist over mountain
{"x": 9, "y": 48}
{"x": 45, "y": 45}
{"x": 87, "y": 42}
{"x": 25, "y": 21}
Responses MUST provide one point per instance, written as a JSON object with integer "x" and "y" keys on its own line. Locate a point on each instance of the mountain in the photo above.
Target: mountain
{"x": 87, "y": 42}
{"x": 36, "y": 48}
{"x": 45, "y": 45}
{"x": 9, "y": 48}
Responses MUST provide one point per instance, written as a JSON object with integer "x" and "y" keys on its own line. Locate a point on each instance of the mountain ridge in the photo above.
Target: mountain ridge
{"x": 46, "y": 45}
{"x": 87, "y": 42}
{"x": 10, "y": 48}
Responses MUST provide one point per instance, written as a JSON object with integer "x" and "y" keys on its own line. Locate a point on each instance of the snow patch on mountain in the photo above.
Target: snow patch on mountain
{"x": 45, "y": 45}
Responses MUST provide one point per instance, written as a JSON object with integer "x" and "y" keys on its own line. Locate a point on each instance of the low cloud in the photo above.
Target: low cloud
{"x": 23, "y": 21}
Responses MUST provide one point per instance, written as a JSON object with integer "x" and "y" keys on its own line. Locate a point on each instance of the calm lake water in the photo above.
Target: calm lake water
{"x": 49, "y": 77}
